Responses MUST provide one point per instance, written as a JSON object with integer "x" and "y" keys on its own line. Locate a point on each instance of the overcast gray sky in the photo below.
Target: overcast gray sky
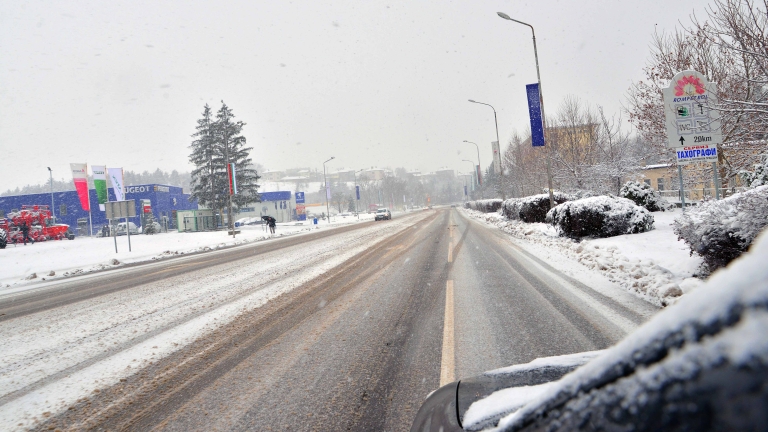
{"x": 373, "y": 83}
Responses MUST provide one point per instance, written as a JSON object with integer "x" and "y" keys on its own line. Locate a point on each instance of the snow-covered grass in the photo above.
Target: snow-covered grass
{"x": 53, "y": 260}
{"x": 653, "y": 265}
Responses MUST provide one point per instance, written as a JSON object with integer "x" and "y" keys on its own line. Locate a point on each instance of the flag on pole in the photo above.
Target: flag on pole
{"x": 80, "y": 176}
{"x": 100, "y": 184}
{"x": 116, "y": 178}
{"x": 232, "y": 179}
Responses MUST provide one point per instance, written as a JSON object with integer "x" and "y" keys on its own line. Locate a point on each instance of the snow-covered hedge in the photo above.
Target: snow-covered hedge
{"x": 644, "y": 195}
{"x": 532, "y": 208}
{"x": 600, "y": 216}
{"x": 485, "y": 206}
{"x": 722, "y": 230}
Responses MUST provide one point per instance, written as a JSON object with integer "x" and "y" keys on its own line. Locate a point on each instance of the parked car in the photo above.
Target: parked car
{"x": 383, "y": 214}
{"x": 120, "y": 228}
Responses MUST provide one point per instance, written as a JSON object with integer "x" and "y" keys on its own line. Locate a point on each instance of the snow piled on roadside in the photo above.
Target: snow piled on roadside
{"x": 54, "y": 260}
{"x": 723, "y": 323}
{"x": 653, "y": 265}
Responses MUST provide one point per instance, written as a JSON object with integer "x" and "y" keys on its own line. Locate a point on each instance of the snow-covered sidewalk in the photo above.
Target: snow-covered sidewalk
{"x": 53, "y": 260}
{"x": 653, "y": 265}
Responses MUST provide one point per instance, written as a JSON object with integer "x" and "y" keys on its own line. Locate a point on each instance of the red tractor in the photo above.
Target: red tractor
{"x": 38, "y": 219}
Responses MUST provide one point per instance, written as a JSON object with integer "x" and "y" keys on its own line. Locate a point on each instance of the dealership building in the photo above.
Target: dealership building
{"x": 164, "y": 201}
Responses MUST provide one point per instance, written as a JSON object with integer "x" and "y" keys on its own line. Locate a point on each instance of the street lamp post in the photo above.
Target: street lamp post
{"x": 325, "y": 179}
{"x": 477, "y": 174}
{"x": 541, "y": 102}
{"x": 357, "y": 210}
{"x": 53, "y": 211}
{"x": 474, "y": 176}
{"x": 496, "y": 123}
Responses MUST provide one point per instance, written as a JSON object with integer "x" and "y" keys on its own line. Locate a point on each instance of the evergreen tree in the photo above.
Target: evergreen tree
{"x": 232, "y": 149}
{"x": 219, "y": 141}
{"x": 202, "y": 187}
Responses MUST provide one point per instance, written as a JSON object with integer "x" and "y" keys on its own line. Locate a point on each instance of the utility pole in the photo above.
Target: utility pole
{"x": 327, "y": 190}
{"x": 53, "y": 211}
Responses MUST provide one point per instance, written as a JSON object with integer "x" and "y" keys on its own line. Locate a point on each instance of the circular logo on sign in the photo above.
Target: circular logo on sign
{"x": 689, "y": 85}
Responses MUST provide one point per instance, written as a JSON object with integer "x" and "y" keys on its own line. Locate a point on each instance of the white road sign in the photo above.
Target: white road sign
{"x": 692, "y": 118}
{"x": 693, "y": 154}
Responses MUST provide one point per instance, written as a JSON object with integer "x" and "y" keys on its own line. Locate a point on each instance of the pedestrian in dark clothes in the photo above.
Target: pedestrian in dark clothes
{"x": 25, "y": 233}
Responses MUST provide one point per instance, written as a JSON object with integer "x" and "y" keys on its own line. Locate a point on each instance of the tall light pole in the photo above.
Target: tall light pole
{"x": 478, "y": 160}
{"x": 53, "y": 211}
{"x": 357, "y": 210}
{"x": 327, "y": 190}
{"x": 541, "y": 102}
{"x": 498, "y": 143}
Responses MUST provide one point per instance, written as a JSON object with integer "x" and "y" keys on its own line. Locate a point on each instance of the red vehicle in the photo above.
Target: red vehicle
{"x": 38, "y": 219}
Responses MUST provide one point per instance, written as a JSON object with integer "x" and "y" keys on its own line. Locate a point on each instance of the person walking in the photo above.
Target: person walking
{"x": 25, "y": 233}
{"x": 272, "y": 224}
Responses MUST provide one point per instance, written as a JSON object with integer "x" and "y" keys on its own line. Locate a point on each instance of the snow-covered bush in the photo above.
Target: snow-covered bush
{"x": 511, "y": 208}
{"x": 644, "y": 195}
{"x": 534, "y": 208}
{"x": 759, "y": 176}
{"x": 485, "y": 206}
{"x": 722, "y": 230}
{"x": 600, "y": 216}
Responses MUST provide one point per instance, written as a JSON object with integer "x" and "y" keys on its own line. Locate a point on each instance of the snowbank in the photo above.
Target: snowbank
{"x": 653, "y": 265}
{"x": 53, "y": 260}
{"x": 689, "y": 358}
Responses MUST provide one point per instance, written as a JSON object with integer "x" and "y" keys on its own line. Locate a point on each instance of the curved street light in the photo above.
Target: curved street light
{"x": 498, "y": 143}
{"x": 541, "y": 101}
{"x": 474, "y": 176}
{"x": 327, "y": 190}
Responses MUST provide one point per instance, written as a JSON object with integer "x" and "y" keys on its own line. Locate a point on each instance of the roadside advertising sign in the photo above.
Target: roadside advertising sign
{"x": 357, "y": 192}
{"x": 100, "y": 184}
{"x": 300, "y": 198}
{"x": 80, "y": 177}
{"x": 534, "y": 110}
{"x": 496, "y": 157}
{"x": 118, "y": 187}
{"x": 692, "y": 118}
{"x": 694, "y": 154}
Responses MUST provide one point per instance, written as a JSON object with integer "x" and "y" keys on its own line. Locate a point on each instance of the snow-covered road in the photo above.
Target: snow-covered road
{"x": 55, "y": 357}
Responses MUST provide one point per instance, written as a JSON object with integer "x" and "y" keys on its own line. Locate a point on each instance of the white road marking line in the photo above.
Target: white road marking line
{"x": 450, "y": 251}
{"x": 447, "y": 363}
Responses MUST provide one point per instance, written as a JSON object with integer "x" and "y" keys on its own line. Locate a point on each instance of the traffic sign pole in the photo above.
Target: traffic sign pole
{"x": 682, "y": 189}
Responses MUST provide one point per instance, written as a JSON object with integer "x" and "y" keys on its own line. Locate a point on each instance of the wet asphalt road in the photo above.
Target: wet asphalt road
{"x": 361, "y": 347}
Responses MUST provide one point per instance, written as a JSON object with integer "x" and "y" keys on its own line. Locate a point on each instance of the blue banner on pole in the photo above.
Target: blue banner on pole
{"x": 357, "y": 191}
{"x": 534, "y": 110}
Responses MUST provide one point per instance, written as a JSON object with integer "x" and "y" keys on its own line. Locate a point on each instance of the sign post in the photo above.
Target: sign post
{"x": 121, "y": 209}
{"x": 693, "y": 123}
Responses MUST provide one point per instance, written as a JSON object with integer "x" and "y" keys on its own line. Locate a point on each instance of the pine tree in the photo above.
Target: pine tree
{"x": 233, "y": 150}
{"x": 204, "y": 148}
{"x": 219, "y": 141}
